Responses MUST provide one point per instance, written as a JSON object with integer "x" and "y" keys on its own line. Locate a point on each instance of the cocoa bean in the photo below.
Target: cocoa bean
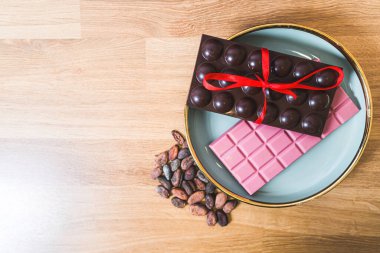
{"x": 220, "y": 200}
{"x": 210, "y": 187}
{"x": 179, "y": 193}
{"x": 187, "y": 163}
{"x": 189, "y": 173}
{"x": 167, "y": 172}
{"x": 173, "y": 152}
{"x": 186, "y": 186}
{"x": 165, "y": 183}
{"x": 178, "y": 137}
{"x": 175, "y": 164}
{"x": 211, "y": 218}
{"x": 199, "y": 184}
{"x": 156, "y": 172}
{"x": 222, "y": 218}
{"x": 161, "y": 159}
{"x": 183, "y": 153}
{"x": 177, "y": 178}
{"x": 230, "y": 205}
{"x": 198, "y": 209}
{"x": 162, "y": 191}
{"x": 189, "y": 185}
{"x": 178, "y": 202}
{"x": 196, "y": 197}
{"x": 192, "y": 185}
{"x": 210, "y": 201}
{"x": 202, "y": 177}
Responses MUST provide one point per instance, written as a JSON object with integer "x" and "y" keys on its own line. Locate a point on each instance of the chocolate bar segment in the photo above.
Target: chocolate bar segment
{"x": 305, "y": 114}
{"x": 254, "y": 154}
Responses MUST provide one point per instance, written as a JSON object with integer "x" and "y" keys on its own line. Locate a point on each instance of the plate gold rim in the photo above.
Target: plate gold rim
{"x": 368, "y": 123}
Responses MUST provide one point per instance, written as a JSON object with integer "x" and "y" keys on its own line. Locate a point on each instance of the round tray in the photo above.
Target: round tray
{"x": 324, "y": 166}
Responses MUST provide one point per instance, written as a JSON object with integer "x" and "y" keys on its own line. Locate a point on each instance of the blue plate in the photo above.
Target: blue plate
{"x": 325, "y": 165}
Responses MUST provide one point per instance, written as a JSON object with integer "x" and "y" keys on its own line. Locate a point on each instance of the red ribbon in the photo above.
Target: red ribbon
{"x": 285, "y": 88}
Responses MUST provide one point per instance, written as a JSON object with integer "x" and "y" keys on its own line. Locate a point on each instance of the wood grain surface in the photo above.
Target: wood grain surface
{"x": 89, "y": 91}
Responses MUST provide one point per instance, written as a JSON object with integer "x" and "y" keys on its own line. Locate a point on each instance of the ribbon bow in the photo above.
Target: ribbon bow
{"x": 284, "y": 88}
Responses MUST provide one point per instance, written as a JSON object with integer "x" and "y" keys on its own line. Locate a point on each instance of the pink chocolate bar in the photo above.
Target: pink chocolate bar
{"x": 254, "y": 154}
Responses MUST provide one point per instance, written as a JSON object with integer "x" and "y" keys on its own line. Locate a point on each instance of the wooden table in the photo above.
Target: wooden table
{"x": 89, "y": 91}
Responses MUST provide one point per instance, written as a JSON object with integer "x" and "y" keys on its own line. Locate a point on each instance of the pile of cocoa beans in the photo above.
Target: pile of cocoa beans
{"x": 181, "y": 179}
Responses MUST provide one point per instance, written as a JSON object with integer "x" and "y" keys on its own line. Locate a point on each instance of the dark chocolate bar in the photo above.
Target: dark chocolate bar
{"x": 305, "y": 114}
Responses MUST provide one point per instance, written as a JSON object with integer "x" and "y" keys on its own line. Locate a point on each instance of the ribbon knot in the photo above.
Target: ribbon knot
{"x": 263, "y": 82}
